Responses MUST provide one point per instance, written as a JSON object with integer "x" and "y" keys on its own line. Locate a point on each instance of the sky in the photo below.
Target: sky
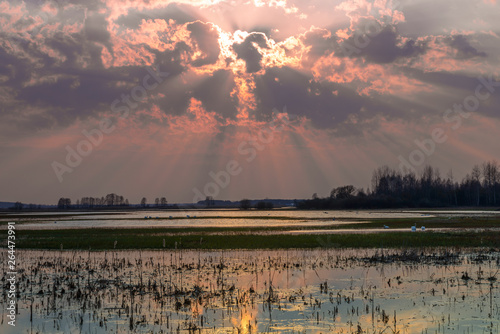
{"x": 241, "y": 99}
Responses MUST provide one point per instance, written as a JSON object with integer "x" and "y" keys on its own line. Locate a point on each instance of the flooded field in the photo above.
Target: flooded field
{"x": 286, "y": 291}
{"x": 221, "y": 218}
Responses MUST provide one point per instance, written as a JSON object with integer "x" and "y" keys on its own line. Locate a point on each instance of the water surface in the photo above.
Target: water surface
{"x": 317, "y": 291}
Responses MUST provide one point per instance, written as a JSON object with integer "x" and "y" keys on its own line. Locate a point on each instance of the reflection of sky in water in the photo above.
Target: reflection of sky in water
{"x": 221, "y": 218}
{"x": 422, "y": 296}
{"x": 208, "y": 222}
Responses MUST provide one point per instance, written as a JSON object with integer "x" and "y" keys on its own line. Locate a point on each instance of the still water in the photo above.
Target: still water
{"x": 220, "y": 218}
{"x": 287, "y": 291}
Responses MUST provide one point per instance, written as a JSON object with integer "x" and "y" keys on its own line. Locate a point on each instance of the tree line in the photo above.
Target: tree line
{"x": 246, "y": 204}
{"x": 110, "y": 200}
{"x": 391, "y": 188}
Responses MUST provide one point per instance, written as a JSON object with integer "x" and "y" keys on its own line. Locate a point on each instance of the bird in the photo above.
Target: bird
{"x": 423, "y": 228}
{"x": 414, "y": 228}
{"x": 385, "y": 226}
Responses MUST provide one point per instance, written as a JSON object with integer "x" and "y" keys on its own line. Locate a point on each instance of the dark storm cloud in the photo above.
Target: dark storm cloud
{"x": 82, "y": 92}
{"x": 247, "y": 51}
{"x": 91, "y": 5}
{"x": 443, "y": 79}
{"x": 177, "y": 95}
{"x": 79, "y": 96}
{"x": 179, "y": 13}
{"x": 215, "y": 93}
{"x": 96, "y": 30}
{"x": 464, "y": 50}
{"x": 463, "y": 86}
{"x": 70, "y": 46}
{"x": 68, "y": 15}
{"x": 383, "y": 47}
{"x": 371, "y": 41}
{"x": 23, "y": 22}
{"x": 72, "y": 83}
{"x": 176, "y": 99}
{"x": 320, "y": 43}
{"x": 74, "y": 92}
{"x": 207, "y": 40}
{"x": 325, "y": 103}
{"x": 16, "y": 69}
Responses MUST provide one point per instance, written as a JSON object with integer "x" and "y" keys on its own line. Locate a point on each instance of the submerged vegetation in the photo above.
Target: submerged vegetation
{"x": 295, "y": 291}
{"x": 309, "y": 273}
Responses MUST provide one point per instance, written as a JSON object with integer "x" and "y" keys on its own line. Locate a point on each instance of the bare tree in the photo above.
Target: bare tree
{"x": 490, "y": 178}
{"x": 64, "y": 203}
{"x": 343, "y": 192}
{"x": 476, "y": 178}
{"x": 245, "y": 204}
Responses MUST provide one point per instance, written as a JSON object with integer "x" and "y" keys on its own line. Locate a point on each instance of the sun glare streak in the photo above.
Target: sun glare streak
{"x": 246, "y": 321}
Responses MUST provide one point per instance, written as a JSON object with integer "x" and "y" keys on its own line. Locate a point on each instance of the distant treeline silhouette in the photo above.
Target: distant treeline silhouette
{"x": 111, "y": 200}
{"x": 395, "y": 189}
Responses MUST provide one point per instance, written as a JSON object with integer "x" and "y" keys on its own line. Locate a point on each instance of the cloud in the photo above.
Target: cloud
{"x": 318, "y": 42}
{"x": 215, "y": 91}
{"x": 383, "y": 47}
{"x": 62, "y": 70}
{"x": 463, "y": 48}
{"x": 177, "y": 12}
{"x": 206, "y": 38}
{"x": 96, "y": 28}
{"x": 248, "y": 50}
{"x": 326, "y": 104}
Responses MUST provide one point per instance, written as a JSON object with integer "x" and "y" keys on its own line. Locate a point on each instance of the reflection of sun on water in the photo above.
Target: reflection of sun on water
{"x": 246, "y": 322}
{"x": 197, "y": 309}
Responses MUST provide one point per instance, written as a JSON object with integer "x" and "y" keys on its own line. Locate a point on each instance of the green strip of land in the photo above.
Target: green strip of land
{"x": 458, "y": 232}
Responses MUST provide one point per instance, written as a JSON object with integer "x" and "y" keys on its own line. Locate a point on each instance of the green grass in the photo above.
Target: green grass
{"x": 430, "y": 222}
{"x": 460, "y": 234}
{"x": 100, "y": 239}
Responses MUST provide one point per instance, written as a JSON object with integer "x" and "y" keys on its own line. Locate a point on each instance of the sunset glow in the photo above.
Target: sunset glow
{"x": 317, "y": 94}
